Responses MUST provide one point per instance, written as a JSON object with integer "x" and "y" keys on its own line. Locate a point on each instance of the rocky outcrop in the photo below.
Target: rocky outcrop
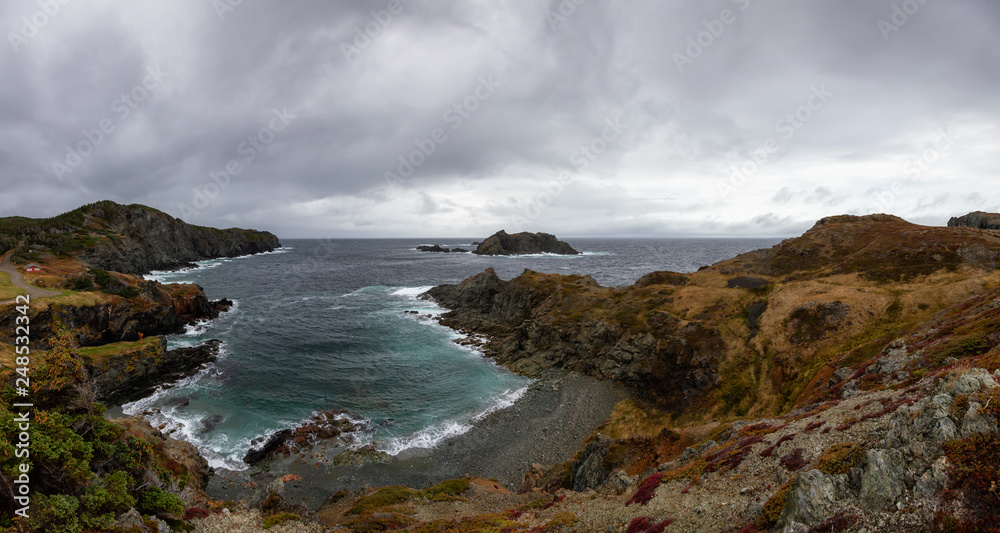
{"x": 323, "y": 426}
{"x": 977, "y": 219}
{"x": 503, "y": 243}
{"x": 439, "y": 248}
{"x": 133, "y": 374}
{"x": 159, "y": 310}
{"x": 907, "y": 464}
{"x": 532, "y": 327}
{"x": 148, "y": 239}
{"x": 183, "y": 453}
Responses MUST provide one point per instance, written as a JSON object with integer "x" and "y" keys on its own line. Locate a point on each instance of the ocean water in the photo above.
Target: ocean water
{"x": 329, "y": 324}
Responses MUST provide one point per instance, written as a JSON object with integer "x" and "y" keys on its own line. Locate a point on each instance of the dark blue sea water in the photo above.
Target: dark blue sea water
{"x": 323, "y": 324}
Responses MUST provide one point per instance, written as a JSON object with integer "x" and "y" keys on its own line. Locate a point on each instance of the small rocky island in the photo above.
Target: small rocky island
{"x": 503, "y": 243}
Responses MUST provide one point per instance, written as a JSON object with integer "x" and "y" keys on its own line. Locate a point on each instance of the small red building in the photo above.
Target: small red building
{"x": 32, "y": 268}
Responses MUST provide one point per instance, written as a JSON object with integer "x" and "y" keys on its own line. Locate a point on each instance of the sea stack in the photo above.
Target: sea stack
{"x": 503, "y": 243}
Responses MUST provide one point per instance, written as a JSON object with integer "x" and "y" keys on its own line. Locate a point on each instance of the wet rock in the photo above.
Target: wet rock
{"x": 260, "y": 447}
{"x": 364, "y": 455}
{"x": 210, "y": 423}
{"x": 387, "y": 423}
{"x": 434, "y": 248}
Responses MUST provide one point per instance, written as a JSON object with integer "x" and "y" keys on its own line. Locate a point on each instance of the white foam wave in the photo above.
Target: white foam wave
{"x": 412, "y": 292}
{"x": 199, "y": 327}
{"x": 502, "y": 401}
{"x": 428, "y": 437}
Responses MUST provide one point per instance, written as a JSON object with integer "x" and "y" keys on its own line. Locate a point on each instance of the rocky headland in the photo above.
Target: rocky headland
{"x": 131, "y": 239}
{"x": 503, "y": 243}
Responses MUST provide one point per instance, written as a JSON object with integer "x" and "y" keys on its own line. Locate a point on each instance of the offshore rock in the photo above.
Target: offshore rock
{"x": 503, "y": 243}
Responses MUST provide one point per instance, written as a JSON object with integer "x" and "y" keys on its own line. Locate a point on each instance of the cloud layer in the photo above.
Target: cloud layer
{"x": 434, "y": 118}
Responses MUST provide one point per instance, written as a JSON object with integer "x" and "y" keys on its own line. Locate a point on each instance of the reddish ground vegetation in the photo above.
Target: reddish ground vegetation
{"x": 195, "y": 512}
{"x": 647, "y": 524}
{"x": 813, "y": 425}
{"x": 646, "y": 490}
{"x": 793, "y": 460}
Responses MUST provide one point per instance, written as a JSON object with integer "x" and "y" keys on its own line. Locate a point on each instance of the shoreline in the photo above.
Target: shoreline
{"x": 547, "y": 425}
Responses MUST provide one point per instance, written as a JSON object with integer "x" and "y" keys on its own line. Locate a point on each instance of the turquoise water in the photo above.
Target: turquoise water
{"x": 324, "y": 324}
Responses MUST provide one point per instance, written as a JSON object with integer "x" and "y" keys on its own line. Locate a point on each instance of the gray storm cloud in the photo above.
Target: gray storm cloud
{"x": 434, "y": 118}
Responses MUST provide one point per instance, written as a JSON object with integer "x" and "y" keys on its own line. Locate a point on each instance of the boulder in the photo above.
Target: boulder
{"x": 813, "y": 500}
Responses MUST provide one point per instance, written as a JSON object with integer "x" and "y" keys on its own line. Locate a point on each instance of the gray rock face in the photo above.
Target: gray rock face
{"x": 503, "y": 243}
{"x": 977, "y": 219}
{"x": 589, "y": 471}
{"x": 881, "y": 478}
{"x": 812, "y": 501}
{"x": 908, "y": 461}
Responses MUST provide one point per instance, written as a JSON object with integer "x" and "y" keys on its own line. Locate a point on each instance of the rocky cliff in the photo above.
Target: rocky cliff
{"x": 503, "y": 243}
{"x": 540, "y": 321}
{"x": 157, "y": 310}
{"x": 133, "y": 373}
{"x": 977, "y": 219}
{"x": 133, "y": 239}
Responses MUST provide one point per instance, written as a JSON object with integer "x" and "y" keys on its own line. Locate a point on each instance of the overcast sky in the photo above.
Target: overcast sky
{"x": 442, "y": 118}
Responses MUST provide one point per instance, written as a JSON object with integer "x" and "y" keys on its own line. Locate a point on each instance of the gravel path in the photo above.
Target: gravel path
{"x": 18, "y": 280}
{"x": 548, "y": 425}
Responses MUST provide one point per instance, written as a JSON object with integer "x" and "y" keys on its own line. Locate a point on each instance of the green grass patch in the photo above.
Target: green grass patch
{"x": 99, "y": 352}
{"x": 384, "y": 497}
{"x": 7, "y": 289}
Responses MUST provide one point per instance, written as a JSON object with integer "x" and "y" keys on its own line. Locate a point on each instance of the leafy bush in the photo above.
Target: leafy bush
{"x": 113, "y": 285}
{"x": 83, "y": 467}
{"x": 157, "y": 502}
